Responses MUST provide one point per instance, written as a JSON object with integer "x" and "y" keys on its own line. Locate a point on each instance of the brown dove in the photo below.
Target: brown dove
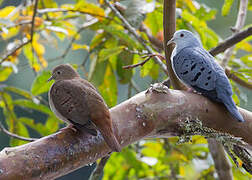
{"x": 77, "y": 102}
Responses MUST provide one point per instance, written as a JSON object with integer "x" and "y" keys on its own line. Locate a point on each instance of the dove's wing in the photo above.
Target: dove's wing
{"x": 194, "y": 66}
{"x": 69, "y": 100}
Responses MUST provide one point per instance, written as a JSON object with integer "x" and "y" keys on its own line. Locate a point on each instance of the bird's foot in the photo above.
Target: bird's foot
{"x": 69, "y": 126}
{"x": 158, "y": 87}
{"x": 190, "y": 90}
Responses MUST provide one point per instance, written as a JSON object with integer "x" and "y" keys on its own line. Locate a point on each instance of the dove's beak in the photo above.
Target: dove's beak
{"x": 51, "y": 78}
{"x": 170, "y": 41}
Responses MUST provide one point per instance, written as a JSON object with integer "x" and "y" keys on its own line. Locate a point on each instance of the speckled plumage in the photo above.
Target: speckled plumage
{"x": 195, "y": 67}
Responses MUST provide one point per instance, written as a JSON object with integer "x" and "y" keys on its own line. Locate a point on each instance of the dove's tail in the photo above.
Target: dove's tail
{"x": 111, "y": 140}
{"x": 230, "y": 105}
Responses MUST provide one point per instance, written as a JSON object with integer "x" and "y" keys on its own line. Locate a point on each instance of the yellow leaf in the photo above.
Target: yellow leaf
{"x": 39, "y": 48}
{"x": 244, "y": 46}
{"x": 90, "y": 8}
{"x": 190, "y": 4}
{"x": 43, "y": 61}
{"x": 4, "y": 73}
{"x": 6, "y": 11}
{"x": 182, "y": 171}
{"x": 80, "y": 46}
{"x": 11, "y": 32}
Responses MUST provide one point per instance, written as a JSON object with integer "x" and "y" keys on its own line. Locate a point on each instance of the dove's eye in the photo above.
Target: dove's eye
{"x": 58, "y": 72}
{"x": 182, "y": 35}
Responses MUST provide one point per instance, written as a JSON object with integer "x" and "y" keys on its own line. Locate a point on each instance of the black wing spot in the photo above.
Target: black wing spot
{"x": 196, "y": 77}
{"x": 192, "y": 62}
{"x": 193, "y": 66}
{"x": 202, "y": 69}
{"x": 184, "y": 73}
{"x": 209, "y": 77}
{"x": 206, "y": 84}
{"x": 187, "y": 65}
{"x": 209, "y": 72}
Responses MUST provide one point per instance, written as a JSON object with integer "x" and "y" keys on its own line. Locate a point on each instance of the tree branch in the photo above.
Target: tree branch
{"x": 96, "y": 174}
{"x": 223, "y": 166}
{"x": 145, "y": 115}
{"x": 134, "y": 33}
{"x": 15, "y": 135}
{"x": 33, "y": 19}
{"x": 238, "y": 80}
{"x": 169, "y": 12}
{"x": 19, "y": 46}
{"x": 230, "y": 41}
{"x": 239, "y": 24}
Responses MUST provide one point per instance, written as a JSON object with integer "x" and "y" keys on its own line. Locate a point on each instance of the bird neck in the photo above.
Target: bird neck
{"x": 181, "y": 46}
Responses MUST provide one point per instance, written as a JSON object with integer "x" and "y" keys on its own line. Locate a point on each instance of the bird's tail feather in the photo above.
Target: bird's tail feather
{"x": 230, "y": 105}
{"x": 111, "y": 140}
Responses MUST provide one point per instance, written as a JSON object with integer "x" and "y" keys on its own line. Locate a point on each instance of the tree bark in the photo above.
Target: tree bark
{"x": 148, "y": 114}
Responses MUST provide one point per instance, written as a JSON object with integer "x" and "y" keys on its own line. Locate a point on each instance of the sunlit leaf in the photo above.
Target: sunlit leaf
{"x": 40, "y": 84}
{"x": 226, "y": 7}
{"x": 106, "y": 53}
{"x": 5, "y": 72}
{"x": 19, "y": 91}
{"x": 80, "y": 46}
{"x": 22, "y": 131}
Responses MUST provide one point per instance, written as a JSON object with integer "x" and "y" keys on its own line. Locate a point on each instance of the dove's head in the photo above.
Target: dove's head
{"x": 184, "y": 38}
{"x": 63, "y": 72}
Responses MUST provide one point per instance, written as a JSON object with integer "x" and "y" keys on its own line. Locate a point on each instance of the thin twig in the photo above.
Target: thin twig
{"x": 97, "y": 172}
{"x": 24, "y": 42}
{"x": 134, "y": 33}
{"x": 83, "y": 27}
{"x": 15, "y": 135}
{"x": 148, "y": 57}
{"x": 33, "y": 19}
{"x": 19, "y": 24}
{"x": 239, "y": 24}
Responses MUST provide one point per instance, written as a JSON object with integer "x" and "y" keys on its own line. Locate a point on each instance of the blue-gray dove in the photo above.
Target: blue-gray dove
{"x": 196, "y": 68}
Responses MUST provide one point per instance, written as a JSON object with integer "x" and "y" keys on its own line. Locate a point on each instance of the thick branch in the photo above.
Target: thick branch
{"x": 144, "y": 115}
{"x": 222, "y": 164}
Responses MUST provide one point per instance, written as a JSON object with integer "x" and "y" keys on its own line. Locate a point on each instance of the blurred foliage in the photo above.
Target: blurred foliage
{"x": 110, "y": 49}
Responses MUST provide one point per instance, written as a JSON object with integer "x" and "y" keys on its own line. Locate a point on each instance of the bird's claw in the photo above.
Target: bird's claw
{"x": 158, "y": 87}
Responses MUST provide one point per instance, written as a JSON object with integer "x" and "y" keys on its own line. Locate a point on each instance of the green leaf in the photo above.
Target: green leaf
{"x": 19, "y": 91}
{"x": 226, "y": 7}
{"x": 32, "y": 105}
{"x": 118, "y": 32}
{"x": 97, "y": 71}
{"x": 5, "y": 72}
{"x": 124, "y": 58}
{"x": 107, "y": 53}
{"x": 22, "y": 131}
{"x": 40, "y": 84}
{"x": 52, "y": 124}
{"x": 108, "y": 88}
